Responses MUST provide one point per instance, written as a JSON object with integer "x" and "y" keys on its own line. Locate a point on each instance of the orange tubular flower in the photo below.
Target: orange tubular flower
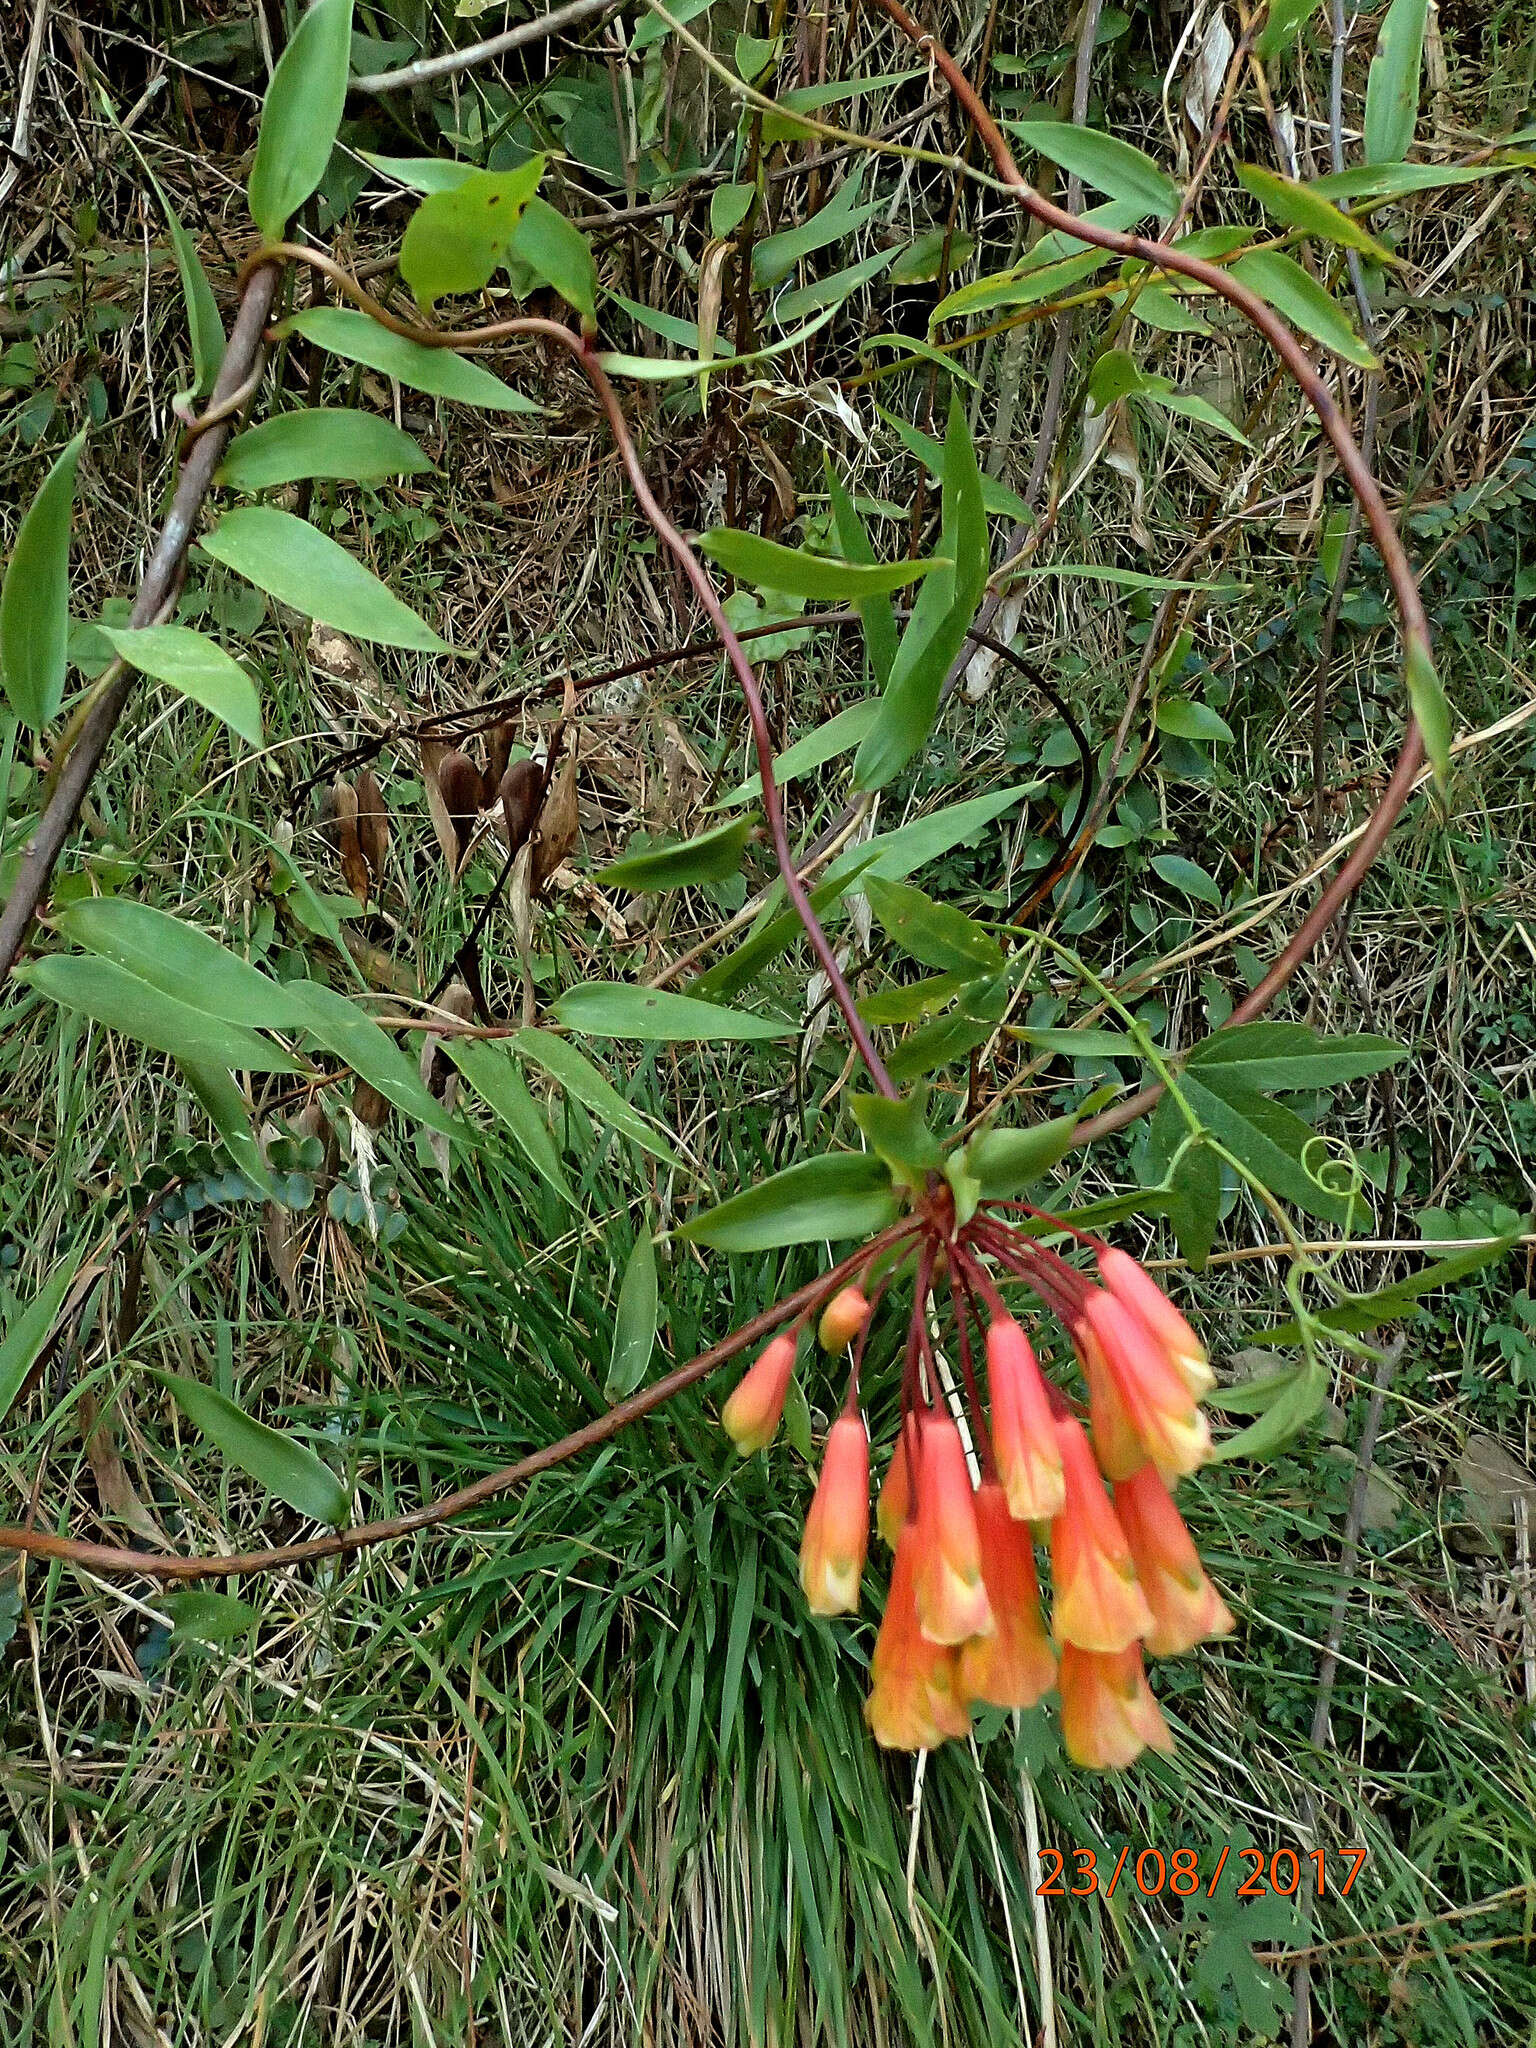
{"x": 1023, "y": 1435}
{"x": 1119, "y": 1450}
{"x": 1108, "y": 1714}
{"x": 1098, "y": 1603}
{"x": 751, "y": 1416}
{"x": 1131, "y": 1284}
{"x": 1015, "y": 1666}
{"x": 836, "y": 1539}
{"x": 913, "y": 1702}
{"x": 1186, "y": 1608}
{"x": 1149, "y": 1387}
{"x": 842, "y": 1319}
{"x": 895, "y": 1502}
{"x": 952, "y": 1599}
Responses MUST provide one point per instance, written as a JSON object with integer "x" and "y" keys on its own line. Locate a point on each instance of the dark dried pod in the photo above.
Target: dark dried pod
{"x": 344, "y": 809}
{"x": 372, "y": 824}
{"x": 521, "y": 787}
{"x": 498, "y": 751}
{"x": 558, "y": 826}
{"x": 463, "y": 789}
{"x": 369, "y": 1106}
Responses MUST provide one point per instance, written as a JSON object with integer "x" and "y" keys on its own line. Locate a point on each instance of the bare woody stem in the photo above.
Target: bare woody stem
{"x": 1352, "y": 463}
{"x": 115, "y": 1558}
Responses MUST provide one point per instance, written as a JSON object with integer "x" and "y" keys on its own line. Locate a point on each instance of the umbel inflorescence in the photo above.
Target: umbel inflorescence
{"x": 963, "y": 1623}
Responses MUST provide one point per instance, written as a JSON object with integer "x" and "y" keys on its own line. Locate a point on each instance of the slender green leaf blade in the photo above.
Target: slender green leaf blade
{"x": 1431, "y": 708}
{"x": 290, "y": 1470}
{"x": 842, "y": 1194}
{"x": 23, "y": 1342}
{"x": 1004, "y": 1162}
{"x": 840, "y": 735}
{"x": 337, "y": 1024}
{"x": 491, "y": 1069}
{"x": 1392, "y": 86}
{"x": 614, "y": 1009}
{"x": 876, "y": 614}
{"x": 559, "y": 255}
{"x": 179, "y": 958}
{"x": 229, "y": 1113}
{"x": 1282, "y": 283}
{"x": 205, "y": 329}
{"x": 711, "y": 857}
{"x": 198, "y": 667}
{"x": 1278, "y": 1058}
{"x": 1103, "y": 161}
{"x": 576, "y": 1074}
{"x": 300, "y": 566}
{"x": 798, "y": 573}
{"x": 935, "y": 933}
{"x": 1303, "y": 206}
{"x": 437, "y": 371}
{"x": 125, "y": 1003}
{"x": 300, "y": 116}
{"x": 328, "y": 441}
{"x": 34, "y": 599}
{"x": 634, "y": 1322}
{"x": 1187, "y": 719}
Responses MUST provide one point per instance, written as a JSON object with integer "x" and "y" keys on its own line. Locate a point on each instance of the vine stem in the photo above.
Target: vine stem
{"x": 116, "y": 1558}
{"x": 1357, "y": 474}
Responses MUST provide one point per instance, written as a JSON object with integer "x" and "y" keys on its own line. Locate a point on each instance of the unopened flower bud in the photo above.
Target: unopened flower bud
{"x": 952, "y": 1599}
{"x": 842, "y": 1319}
{"x": 836, "y": 1539}
{"x": 751, "y": 1416}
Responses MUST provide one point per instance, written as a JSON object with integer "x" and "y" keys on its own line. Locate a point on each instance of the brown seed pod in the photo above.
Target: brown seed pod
{"x": 498, "y": 751}
{"x": 558, "y": 824}
{"x": 372, "y": 825}
{"x": 521, "y": 786}
{"x": 463, "y": 789}
{"x": 369, "y": 1106}
{"x": 354, "y": 868}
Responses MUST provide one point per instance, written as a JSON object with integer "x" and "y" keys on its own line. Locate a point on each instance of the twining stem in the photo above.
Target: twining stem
{"x": 111, "y": 1557}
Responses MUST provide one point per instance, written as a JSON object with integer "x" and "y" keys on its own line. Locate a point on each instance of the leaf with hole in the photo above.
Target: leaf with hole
{"x": 437, "y": 371}
{"x": 634, "y": 1321}
{"x": 300, "y": 116}
{"x": 576, "y": 1074}
{"x": 1392, "y": 85}
{"x": 328, "y": 441}
{"x": 457, "y": 239}
{"x": 198, "y": 667}
{"x": 1103, "y": 161}
{"x": 491, "y": 1069}
{"x": 614, "y": 1009}
{"x": 711, "y": 857}
{"x": 290, "y": 1470}
{"x": 840, "y": 1195}
{"x": 799, "y": 573}
{"x": 1280, "y": 281}
{"x": 302, "y": 567}
{"x": 34, "y": 599}
{"x": 125, "y": 1003}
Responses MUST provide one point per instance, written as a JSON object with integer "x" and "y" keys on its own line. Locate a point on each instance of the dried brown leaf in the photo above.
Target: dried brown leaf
{"x": 372, "y": 824}
{"x": 354, "y": 869}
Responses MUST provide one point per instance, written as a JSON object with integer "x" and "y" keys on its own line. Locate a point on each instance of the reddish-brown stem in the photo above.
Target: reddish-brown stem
{"x": 960, "y": 1298}
{"x": 111, "y": 1557}
{"x": 1356, "y": 471}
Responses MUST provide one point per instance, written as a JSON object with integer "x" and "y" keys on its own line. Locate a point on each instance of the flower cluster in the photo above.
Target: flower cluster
{"x": 962, "y": 1514}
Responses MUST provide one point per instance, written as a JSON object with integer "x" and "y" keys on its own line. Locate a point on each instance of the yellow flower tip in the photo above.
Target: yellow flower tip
{"x": 952, "y": 1602}
{"x": 1099, "y": 1604}
{"x": 1133, "y": 1286}
{"x": 1108, "y": 1714}
{"x": 1186, "y": 1607}
{"x": 1023, "y": 1434}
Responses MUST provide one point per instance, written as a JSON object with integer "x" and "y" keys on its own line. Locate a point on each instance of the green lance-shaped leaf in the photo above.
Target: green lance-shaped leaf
{"x": 1287, "y": 1058}
{"x": 799, "y": 573}
{"x": 1302, "y": 206}
{"x": 1392, "y": 86}
{"x": 1183, "y": 718}
{"x": 1282, "y": 26}
{"x": 709, "y": 858}
{"x": 135, "y": 1007}
{"x": 1426, "y": 693}
{"x": 24, "y": 1340}
{"x": 323, "y": 441}
{"x": 175, "y": 956}
{"x": 576, "y": 1074}
{"x": 840, "y": 735}
{"x": 614, "y": 1009}
{"x": 300, "y": 566}
{"x": 228, "y": 1112}
{"x": 1282, "y": 283}
{"x": 898, "y": 1132}
{"x": 1399, "y": 1299}
{"x": 437, "y": 371}
{"x": 351, "y": 1034}
{"x": 559, "y": 255}
{"x": 936, "y": 630}
{"x": 634, "y": 1322}
{"x": 493, "y": 1073}
{"x": 205, "y": 329}
{"x": 935, "y": 933}
{"x": 876, "y": 613}
{"x": 290, "y": 1470}
{"x": 34, "y": 599}
{"x": 300, "y": 116}
{"x": 1188, "y": 877}
{"x": 213, "y": 1618}
{"x": 1103, "y": 161}
{"x": 842, "y": 1194}
{"x": 458, "y": 239}
{"x": 1003, "y": 1162}
{"x": 198, "y": 667}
